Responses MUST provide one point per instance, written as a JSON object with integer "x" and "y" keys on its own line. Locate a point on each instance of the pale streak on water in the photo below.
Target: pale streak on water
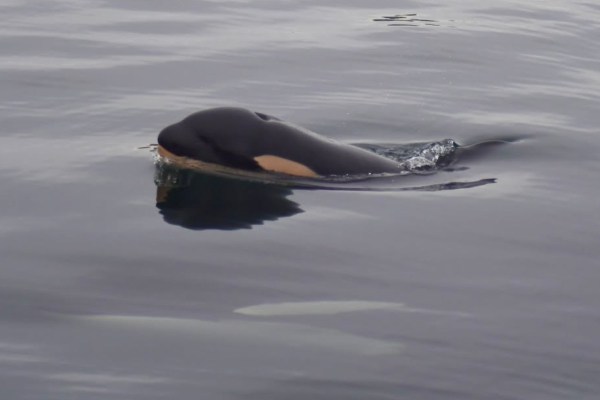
{"x": 101, "y": 298}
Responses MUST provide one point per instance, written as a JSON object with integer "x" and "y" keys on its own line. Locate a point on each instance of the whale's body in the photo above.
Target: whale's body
{"x": 242, "y": 139}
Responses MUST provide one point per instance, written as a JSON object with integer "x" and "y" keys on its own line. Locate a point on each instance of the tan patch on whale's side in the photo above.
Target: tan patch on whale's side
{"x": 285, "y": 166}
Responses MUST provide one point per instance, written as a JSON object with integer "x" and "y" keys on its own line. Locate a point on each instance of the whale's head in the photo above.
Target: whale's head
{"x": 221, "y": 136}
{"x": 235, "y": 138}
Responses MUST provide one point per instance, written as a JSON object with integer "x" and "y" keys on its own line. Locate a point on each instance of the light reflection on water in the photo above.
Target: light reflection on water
{"x": 103, "y": 299}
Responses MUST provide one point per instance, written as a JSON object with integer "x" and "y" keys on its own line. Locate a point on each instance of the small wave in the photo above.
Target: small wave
{"x": 417, "y": 157}
{"x": 288, "y": 309}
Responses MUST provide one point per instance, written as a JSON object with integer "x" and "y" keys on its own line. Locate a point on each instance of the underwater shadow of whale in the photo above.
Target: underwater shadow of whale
{"x": 200, "y": 201}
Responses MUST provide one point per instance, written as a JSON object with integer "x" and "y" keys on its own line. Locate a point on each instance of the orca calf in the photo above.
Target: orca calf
{"x": 251, "y": 141}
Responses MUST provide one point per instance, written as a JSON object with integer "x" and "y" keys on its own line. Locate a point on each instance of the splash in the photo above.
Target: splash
{"x": 417, "y": 157}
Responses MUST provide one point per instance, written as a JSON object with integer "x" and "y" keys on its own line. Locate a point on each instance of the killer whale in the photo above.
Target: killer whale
{"x": 252, "y": 141}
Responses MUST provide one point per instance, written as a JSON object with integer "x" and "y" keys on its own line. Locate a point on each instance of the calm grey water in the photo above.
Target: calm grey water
{"x": 485, "y": 292}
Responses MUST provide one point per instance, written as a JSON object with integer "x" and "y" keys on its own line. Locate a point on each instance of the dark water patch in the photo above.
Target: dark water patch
{"x": 199, "y": 201}
{"x": 406, "y": 20}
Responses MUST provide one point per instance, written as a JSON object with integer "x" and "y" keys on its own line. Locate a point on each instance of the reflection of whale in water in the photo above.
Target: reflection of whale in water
{"x": 200, "y": 201}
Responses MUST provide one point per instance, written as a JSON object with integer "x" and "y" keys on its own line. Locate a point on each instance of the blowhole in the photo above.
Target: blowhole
{"x": 262, "y": 116}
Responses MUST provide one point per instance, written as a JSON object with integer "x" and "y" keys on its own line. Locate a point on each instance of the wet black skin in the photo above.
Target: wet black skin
{"x": 234, "y": 136}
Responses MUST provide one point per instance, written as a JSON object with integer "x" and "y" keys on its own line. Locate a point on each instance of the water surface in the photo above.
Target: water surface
{"x": 483, "y": 292}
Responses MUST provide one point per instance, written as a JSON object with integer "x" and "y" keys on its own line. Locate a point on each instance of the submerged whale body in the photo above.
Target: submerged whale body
{"x": 243, "y": 139}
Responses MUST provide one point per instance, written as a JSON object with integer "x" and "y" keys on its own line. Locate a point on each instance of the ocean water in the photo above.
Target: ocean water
{"x": 233, "y": 289}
